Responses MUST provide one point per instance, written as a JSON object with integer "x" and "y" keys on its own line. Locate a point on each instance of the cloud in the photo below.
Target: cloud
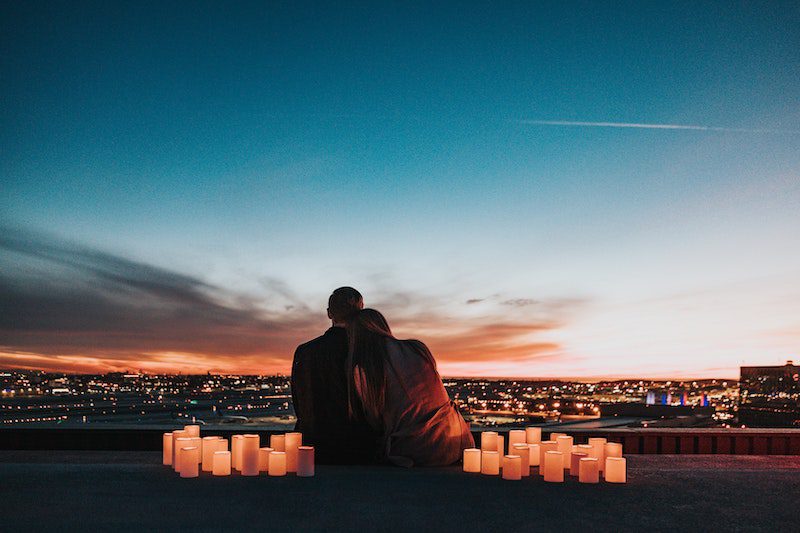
{"x": 520, "y": 302}
{"x": 474, "y": 301}
{"x": 637, "y": 125}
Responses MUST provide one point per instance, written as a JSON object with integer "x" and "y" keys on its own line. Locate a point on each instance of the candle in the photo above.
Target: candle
{"x": 263, "y": 459}
{"x": 177, "y": 434}
{"x": 516, "y": 436}
{"x": 575, "y": 463}
{"x": 166, "y": 448}
{"x": 554, "y": 467}
{"x": 554, "y": 436}
{"x": 587, "y": 470}
{"x": 533, "y": 435}
{"x": 189, "y": 459}
{"x": 544, "y": 447}
{"x": 197, "y": 442}
{"x": 277, "y": 463}
{"x": 222, "y": 463}
{"x": 236, "y": 451}
{"x": 221, "y": 445}
{"x": 564, "y": 445}
{"x": 209, "y": 447}
{"x": 293, "y": 441}
{"x": 194, "y": 431}
{"x": 615, "y": 470}
{"x": 490, "y": 462}
{"x": 598, "y": 445}
{"x": 489, "y": 441}
{"x": 511, "y": 467}
{"x": 524, "y": 453}
{"x": 249, "y": 455}
{"x": 613, "y": 449}
{"x": 180, "y": 442}
{"x": 501, "y": 445}
{"x": 305, "y": 461}
{"x": 534, "y": 454}
{"x": 584, "y": 448}
{"x": 277, "y": 443}
{"x": 472, "y": 460}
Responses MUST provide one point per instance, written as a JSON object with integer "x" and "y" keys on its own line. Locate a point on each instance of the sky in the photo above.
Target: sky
{"x": 549, "y": 189}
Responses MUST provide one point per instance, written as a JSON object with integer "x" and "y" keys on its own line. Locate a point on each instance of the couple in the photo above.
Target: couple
{"x": 363, "y": 396}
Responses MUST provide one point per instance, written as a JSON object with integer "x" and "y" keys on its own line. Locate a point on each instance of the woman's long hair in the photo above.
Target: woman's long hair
{"x": 367, "y": 333}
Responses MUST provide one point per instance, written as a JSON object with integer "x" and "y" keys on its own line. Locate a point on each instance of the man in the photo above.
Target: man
{"x": 320, "y": 391}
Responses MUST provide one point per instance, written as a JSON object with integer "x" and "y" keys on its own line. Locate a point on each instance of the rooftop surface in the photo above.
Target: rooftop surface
{"x": 91, "y": 490}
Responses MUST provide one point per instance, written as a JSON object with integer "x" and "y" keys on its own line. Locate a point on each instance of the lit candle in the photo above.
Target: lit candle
{"x": 598, "y": 445}
{"x": 575, "y": 463}
{"x": 177, "y": 434}
{"x": 166, "y": 448}
{"x": 554, "y": 436}
{"x": 236, "y": 451}
{"x": 277, "y": 463}
{"x": 197, "y": 442}
{"x": 524, "y": 453}
{"x": 587, "y": 470}
{"x": 564, "y": 445}
{"x": 534, "y": 454}
{"x": 554, "y": 467}
{"x": 180, "y": 442}
{"x": 293, "y": 441}
{"x": 189, "y": 459}
{"x": 221, "y": 445}
{"x": 277, "y": 443}
{"x": 305, "y": 461}
{"x": 249, "y": 455}
{"x": 516, "y": 436}
{"x": 263, "y": 459}
{"x": 615, "y": 470}
{"x": 533, "y": 435}
{"x": 222, "y": 463}
{"x": 490, "y": 462}
{"x": 472, "y": 460}
{"x": 585, "y": 448}
{"x": 511, "y": 467}
{"x": 544, "y": 447}
{"x": 209, "y": 447}
{"x": 613, "y": 449}
{"x": 501, "y": 445}
{"x": 194, "y": 431}
{"x": 489, "y": 441}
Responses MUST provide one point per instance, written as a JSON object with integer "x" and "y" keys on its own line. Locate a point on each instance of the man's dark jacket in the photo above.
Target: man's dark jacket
{"x": 319, "y": 393}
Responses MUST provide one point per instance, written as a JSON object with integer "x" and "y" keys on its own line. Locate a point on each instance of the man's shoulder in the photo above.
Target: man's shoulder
{"x": 334, "y": 337}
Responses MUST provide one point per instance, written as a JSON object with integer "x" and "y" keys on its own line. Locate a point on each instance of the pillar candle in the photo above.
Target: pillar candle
{"x": 613, "y": 449}
{"x": 209, "y": 447}
{"x": 564, "y": 445}
{"x": 554, "y": 436}
{"x": 277, "y": 463}
{"x": 277, "y": 443}
{"x": 197, "y": 442}
{"x": 249, "y": 455}
{"x": 585, "y": 448}
{"x": 189, "y": 461}
{"x": 490, "y": 462}
{"x": 524, "y": 453}
{"x": 180, "y": 442}
{"x": 598, "y": 445}
{"x": 554, "y": 467}
{"x": 515, "y": 436}
{"x": 616, "y": 470}
{"x": 222, "y": 463}
{"x": 166, "y": 448}
{"x": 472, "y": 460}
{"x": 177, "y": 434}
{"x": 533, "y": 435}
{"x": 305, "y": 461}
{"x": 544, "y": 447}
{"x": 587, "y": 470}
{"x": 534, "y": 454}
{"x": 236, "y": 451}
{"x": 575, "y": 463}
{"x": 222, "y": 445}
{"x": 489, "y": 441}
{"x": 194, "y": 431}
{"x": 501, "y": 445}
{"x": 293, "y": 441}
{"x": 511, "y": 467}
{"x": 263, "y": 459}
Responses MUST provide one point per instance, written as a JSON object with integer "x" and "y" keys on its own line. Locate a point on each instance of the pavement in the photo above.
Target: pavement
{"x": 132, "y": 491}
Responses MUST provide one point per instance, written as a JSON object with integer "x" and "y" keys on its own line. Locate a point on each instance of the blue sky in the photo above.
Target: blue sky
{"x": 270, "y": 153}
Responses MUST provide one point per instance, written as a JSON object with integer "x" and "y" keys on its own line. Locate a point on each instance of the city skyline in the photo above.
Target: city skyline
{"x": 570, "y": 191}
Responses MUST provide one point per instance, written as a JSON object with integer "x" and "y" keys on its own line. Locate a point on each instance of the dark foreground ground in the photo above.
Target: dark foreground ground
{"x": 103, "y": 491}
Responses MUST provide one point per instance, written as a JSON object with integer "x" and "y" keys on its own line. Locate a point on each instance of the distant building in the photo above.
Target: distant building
{"x": 769, "y": 396}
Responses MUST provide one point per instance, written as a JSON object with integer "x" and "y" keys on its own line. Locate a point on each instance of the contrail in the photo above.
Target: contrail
{"x": 648, "y": 126}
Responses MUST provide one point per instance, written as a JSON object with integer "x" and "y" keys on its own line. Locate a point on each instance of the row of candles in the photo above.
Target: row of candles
{"x": 552, "y": 457}
{"x": 188, "y": 454}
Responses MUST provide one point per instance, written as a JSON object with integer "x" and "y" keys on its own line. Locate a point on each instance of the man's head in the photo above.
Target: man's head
{"x": 343, "y": 304}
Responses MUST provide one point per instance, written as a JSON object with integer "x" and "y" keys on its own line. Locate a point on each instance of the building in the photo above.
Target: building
{"x": 769, "y": 396}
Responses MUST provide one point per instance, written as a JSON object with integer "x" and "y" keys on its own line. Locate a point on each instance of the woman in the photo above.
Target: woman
{"x": 395, "y": 385}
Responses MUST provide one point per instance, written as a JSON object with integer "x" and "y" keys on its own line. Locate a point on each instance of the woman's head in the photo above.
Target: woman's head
{"x": 367, "y": 333}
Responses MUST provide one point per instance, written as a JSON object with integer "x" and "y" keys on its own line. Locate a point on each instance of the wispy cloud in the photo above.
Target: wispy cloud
{"x": 647, "y": 126}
